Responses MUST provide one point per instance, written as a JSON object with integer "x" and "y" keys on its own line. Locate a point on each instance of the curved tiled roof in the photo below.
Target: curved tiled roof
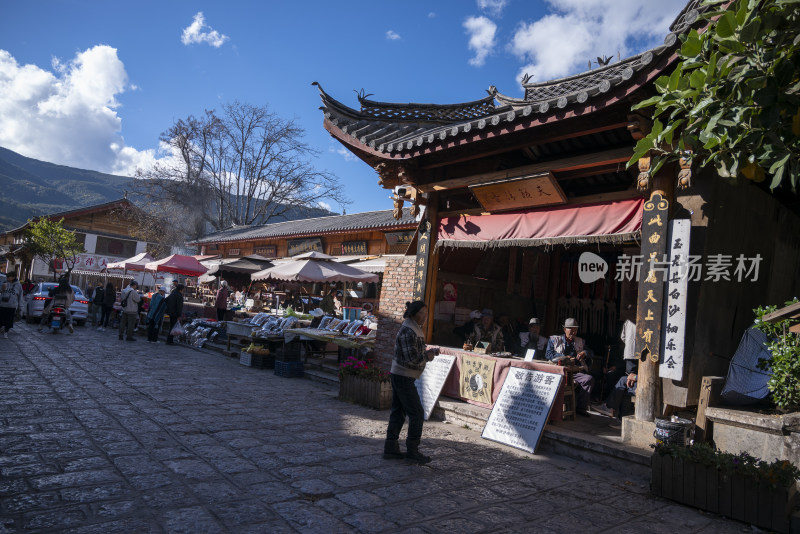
{"x": 395, "y": 129}
{"x": 370, "y": 220}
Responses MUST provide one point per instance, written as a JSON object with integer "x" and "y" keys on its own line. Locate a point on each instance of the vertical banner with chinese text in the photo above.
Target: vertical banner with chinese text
{"x": 675, "y": 300}
{"x": 654, "y": 267}
{"x": 423, "y": 256}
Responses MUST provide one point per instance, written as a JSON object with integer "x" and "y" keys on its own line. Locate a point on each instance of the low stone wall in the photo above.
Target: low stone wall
{"x": 396, "y": 290}
{"x": 765, "y": 436}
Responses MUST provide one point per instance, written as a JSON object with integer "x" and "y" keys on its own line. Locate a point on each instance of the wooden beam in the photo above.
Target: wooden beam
{"x": 710, "y": 390}
{"x": 573, "y": 163}
{"x": 789, "y": 312}
{"x": 432, "y": 276}
{"x": 547, "y": 136}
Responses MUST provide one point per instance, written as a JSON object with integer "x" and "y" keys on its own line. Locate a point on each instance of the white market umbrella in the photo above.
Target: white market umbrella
{"x": 314, "y": 267}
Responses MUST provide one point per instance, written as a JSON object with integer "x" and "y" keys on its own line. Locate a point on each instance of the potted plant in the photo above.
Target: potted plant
{"x": 739, "y": 486}
{"x": 363, "y": 382}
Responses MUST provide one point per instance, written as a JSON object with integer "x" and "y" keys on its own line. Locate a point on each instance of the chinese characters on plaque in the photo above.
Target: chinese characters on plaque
{"x": 430, "y": 383}
{"x": 399, "y": 238}
{"x": 522, "y": 408}
{"x": 655, "y": 219}
{"x": 421, "y": 263}
{"x": 354, "y": 248}
{"x": 298, "y": 246}
{"x": 674, "y": 311}
{"x": 476, "y": 378}
{"x": 268, "y": 251}
{"x": 530, "y": 191}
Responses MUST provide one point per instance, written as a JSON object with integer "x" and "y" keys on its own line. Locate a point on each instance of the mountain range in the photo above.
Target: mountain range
{"x": 31, "y": 188}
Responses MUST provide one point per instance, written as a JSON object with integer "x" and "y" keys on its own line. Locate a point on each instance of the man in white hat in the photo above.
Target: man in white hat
{"x": 570, "y": 346}
{"x": 531, "y": 339}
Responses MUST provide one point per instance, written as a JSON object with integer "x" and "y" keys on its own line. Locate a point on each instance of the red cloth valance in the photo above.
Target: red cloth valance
{"x": 600, "y": 222}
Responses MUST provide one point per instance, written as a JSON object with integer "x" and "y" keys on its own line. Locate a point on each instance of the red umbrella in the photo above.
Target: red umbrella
{"x": 178, "y": 264}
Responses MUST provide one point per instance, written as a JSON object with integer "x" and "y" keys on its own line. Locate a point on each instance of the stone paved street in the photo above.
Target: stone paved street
{"x": 99, "y": 435}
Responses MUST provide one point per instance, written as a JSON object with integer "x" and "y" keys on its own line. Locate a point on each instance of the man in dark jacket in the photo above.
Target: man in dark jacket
{"x": 174, "y": 310}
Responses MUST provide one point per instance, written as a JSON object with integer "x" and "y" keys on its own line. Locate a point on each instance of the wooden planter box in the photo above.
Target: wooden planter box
{"x": 735, "y": 496}
{"x": 369, "y": 393}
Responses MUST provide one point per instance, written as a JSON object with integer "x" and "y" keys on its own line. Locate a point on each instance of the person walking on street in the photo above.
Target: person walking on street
{"x": 222, "y": 300}
{"x": 158, "y": 305}
{"x": 109, "y": 298}
{"x": 129, "y": 299}
{"x": 97, "y": 304}
{"x": 174, "y": 310}
{"x": 10, "y": 302}
{"x": 408, "y": 363}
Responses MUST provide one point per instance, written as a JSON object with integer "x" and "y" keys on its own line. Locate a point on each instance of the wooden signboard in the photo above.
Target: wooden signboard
{"x": 354, "y": 248}
{"x": 268, "y": 251}
{"x": 522, "y": 408}
{"x": 674, "y": 311}
{"x": 423, "y": 255}
{"x": 430, "y": 383}
{"x": 654, "y": 269}
{"x": 399, "y": 238}
{"x": 524, "y": 192}
{"x": 298, "y": 246}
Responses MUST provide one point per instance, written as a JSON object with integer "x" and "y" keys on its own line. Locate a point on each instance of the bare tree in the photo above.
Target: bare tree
{"x": 244, "y": 167}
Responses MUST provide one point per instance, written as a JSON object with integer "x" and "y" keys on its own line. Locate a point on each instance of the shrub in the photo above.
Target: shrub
{"x": 363, "y": 367}
{"x": 784, "y": 363}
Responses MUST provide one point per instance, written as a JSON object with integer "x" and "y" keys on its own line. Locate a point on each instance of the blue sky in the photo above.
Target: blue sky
{"x": 92, "y": 84}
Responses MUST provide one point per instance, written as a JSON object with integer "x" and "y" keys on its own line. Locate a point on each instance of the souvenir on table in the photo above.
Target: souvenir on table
{"x": 355, "y": 325}
{"x": 363, "y": 329}
{"x": 334, "y": 323}
{"x": 325, "y": 322}
{"x": 341, "y": 326}
{"x": 483, "y": 347}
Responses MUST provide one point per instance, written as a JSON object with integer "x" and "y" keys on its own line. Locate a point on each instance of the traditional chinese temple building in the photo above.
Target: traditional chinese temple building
{"x": 515, "y": 191}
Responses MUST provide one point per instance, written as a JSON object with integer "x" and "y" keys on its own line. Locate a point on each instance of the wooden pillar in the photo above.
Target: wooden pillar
{"x": 432, "y": 278}
{"x": 553, "y": 279}
{"x": 648, "y": 398}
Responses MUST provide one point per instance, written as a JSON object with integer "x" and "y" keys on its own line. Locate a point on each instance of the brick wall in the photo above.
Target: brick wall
{"x": 396, "y": 290}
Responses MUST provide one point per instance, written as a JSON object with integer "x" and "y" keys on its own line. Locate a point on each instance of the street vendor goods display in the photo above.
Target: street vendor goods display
{"x": 199, "y": 331}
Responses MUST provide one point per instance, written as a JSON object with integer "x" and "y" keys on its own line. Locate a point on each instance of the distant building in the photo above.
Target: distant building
{"x": 101, "y": 229}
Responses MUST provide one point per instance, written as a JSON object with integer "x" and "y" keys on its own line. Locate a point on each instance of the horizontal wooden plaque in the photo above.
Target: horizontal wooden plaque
{"x": 523, "y": 192}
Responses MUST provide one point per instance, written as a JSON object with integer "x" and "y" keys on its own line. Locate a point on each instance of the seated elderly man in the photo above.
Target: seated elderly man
{"x": 572, "y": 350}
{"x": 487, "y": 330}
{"x": 532, "y": 340}
{"x": 465, "y": 330}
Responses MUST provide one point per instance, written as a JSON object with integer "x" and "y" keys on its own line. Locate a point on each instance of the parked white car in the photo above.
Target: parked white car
{"x": 38, "y": 298}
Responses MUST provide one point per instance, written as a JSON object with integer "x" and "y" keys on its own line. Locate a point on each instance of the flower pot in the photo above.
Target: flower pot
{"x": 371, "y": 393}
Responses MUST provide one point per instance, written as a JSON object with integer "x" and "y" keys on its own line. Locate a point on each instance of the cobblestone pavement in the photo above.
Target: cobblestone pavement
{"x": 101, "y": 436}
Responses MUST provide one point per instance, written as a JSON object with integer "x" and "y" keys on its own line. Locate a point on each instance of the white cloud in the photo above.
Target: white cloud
{"x": 194, "y": 33}
{"x": 346, "y": 154}
{"x": 481, "y": 33}
{"x": 563, "y": 42}
{"x": 324, "y": 205}
{"x": 432, "y": 15}
{"x": 392, "y": 35}
{"x": 69, "y": 115}
{"x": 495, "y": 7}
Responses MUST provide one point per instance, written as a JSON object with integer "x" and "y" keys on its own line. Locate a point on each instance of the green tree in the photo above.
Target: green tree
{"x": 49, "y": 241}
{"x": 784, "y": 361}
{"x": 732, "y": 101}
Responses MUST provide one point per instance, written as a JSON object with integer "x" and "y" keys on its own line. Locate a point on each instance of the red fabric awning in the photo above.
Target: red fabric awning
{"x": 601, "y": 222}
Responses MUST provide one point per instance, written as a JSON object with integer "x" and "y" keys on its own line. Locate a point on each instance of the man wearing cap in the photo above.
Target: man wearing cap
{"x": 569, "y": 345}
{"x": 531, "y": 339}
{"x": 486, "y": 330}
{"x": 130, "y": 299}
{"x": 158, "y": 305}
{"x": 466, "y": 329}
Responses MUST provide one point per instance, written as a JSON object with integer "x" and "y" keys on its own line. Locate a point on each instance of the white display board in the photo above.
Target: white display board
{"x": 522, "y": 408}
{"x": 430, "y": 383}
{"x": 673, "y": 329}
